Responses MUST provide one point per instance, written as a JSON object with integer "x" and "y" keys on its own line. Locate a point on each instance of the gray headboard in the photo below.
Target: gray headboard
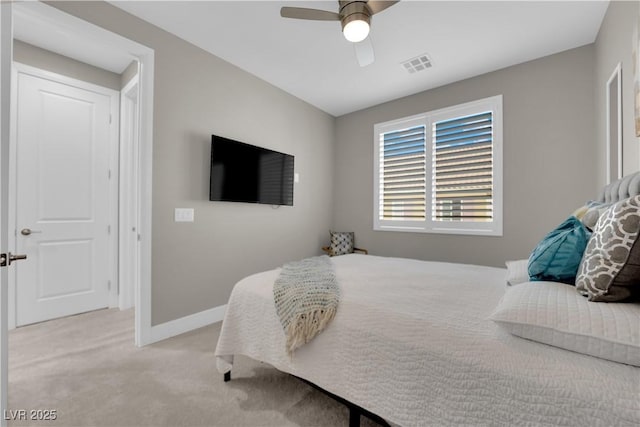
{"x": 621, "y": 189}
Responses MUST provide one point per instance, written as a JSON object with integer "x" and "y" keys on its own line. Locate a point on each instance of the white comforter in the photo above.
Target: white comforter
{"x": 411, "y": 342}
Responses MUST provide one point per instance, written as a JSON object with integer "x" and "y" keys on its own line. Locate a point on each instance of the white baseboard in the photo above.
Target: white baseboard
{"x": 186, "y": 324}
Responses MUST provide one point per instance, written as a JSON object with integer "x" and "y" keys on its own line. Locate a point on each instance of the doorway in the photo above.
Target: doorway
{"x": 56, "y": 25}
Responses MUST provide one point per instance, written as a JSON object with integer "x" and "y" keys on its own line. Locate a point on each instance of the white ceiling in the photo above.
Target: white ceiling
{"x": 313, "y": 61}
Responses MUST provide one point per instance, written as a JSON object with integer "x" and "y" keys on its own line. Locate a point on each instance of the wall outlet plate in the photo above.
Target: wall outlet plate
{"x": 184, "y": 215}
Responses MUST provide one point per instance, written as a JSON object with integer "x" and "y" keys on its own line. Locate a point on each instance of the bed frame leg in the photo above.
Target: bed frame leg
{"x": 354, "y": 417}
{"x": 227, "y": 376}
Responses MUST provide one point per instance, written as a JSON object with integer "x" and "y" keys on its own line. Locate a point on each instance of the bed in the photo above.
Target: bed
{"x": 413, "y": 343}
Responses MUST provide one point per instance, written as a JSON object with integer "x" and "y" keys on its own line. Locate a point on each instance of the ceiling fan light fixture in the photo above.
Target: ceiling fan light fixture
{"x": 356, "y": 27}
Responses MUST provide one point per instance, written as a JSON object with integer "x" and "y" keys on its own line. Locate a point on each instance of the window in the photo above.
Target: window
{"x": 441, "y": 172}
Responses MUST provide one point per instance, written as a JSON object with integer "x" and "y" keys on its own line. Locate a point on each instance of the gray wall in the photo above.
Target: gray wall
{"x": 46, "y": 60}
{"x": 195, "y": 265}
{"x": 614, "y": 45}
{"x": 548, "y": 116}
{"x": 552, "y": 146}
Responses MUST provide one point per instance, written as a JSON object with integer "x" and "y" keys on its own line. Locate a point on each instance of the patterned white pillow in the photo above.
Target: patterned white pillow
{"x": 555, "y": 314}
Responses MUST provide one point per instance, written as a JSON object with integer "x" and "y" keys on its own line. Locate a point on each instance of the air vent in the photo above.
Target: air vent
{"x": 419, "y": 63}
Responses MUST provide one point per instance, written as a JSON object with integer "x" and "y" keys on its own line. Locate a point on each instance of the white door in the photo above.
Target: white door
{"x": 62, "y": 218}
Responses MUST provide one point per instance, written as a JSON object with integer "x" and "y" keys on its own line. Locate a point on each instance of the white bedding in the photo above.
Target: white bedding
{"x": 412, "y": 343}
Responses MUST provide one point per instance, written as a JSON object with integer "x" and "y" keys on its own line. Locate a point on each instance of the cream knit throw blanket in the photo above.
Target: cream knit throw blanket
{"x": 306, "y": 295}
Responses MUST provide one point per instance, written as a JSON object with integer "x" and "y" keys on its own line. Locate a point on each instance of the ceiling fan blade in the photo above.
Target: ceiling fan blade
{"x": 364, "y": 52}
{"x": 376, "y": 6}
{"x": 304, "y": 13}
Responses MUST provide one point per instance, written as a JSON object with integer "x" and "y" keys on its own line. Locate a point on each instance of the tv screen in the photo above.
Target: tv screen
{"x": 245, "y": 173}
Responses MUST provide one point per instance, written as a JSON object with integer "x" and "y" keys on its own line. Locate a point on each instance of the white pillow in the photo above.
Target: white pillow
{"x": 517, "y": 272}
{"x": 555, "y": 314}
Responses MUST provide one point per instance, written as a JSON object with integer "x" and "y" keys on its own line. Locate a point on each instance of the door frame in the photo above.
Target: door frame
{"x": 6, "y": 56}
{"x": 145, "y": 57}
{"x": 128, "y": 253}
{"x": 112, "y": 196}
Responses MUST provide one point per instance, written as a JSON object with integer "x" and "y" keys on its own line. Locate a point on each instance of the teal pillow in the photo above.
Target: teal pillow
{"x": 557, "y": 257}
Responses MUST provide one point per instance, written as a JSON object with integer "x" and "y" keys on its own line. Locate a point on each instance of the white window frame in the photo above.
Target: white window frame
{"x": 493, "y": 228}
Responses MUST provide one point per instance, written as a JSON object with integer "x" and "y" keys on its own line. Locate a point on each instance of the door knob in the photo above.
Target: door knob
{"x": 8, "y": 258}
{"x": 28, "y": 231}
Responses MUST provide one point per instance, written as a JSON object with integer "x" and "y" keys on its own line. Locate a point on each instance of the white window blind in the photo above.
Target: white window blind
{"x": 403, "y": 172}
{"x": 462, "y": 168}
{"x": 441, "y": 171}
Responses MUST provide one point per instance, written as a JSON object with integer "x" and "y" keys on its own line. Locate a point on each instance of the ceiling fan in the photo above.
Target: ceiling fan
{"x": 355, "y": 17}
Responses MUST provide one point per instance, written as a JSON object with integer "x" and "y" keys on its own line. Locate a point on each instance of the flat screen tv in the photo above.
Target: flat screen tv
{"x": 245, "y": 173}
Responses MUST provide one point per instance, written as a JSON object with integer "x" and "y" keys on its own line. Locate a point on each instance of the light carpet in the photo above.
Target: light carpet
{"x": 87, "y": 368}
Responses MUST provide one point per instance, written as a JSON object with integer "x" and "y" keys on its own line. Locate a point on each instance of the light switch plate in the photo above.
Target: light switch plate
{"x": 184, "y": 215}
{"x": 296, "y": 177}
